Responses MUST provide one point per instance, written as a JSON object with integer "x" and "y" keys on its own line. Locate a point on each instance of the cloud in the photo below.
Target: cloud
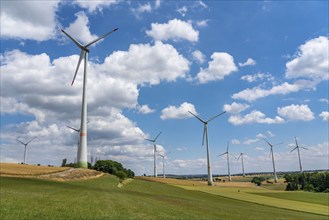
{"x": 257, "y": 76}
{"x": 79, "y": 29}
{"x": 296, "y": 113}
{"x": 199, "y": 56}
{"x": 173, "y": 30}
{"x": 235, "y": 141}
{"x": 93, "y": 6}
{"x": 182, "y": 11}
{"x": 24, "y": 20}
{"x": 255, "y": 93}
{"x": 311, "y": 60}
{"x": 324, "y": 116}
{"x": 235, "y": 108}
{"x": 254, "y": 117}
{"x": 324, "y": 100}
{"x": 249, "y": 62}
{"x": 147, "y": 64}
{"x": 202, "y": 23}
{"x": 144, "y": 109}
{"x": 173, "y": 112}
{"x": 222, "y": 65}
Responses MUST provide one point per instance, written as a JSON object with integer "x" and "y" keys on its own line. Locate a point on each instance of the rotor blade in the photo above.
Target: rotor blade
{"x": 277, "y": 144}
{"x": 148, "y": 140}
{"x": 215, "y": 116}
{"x": 20, "y": 142}
{"x": 76, "y": 71}
{"x": 157, "y": 136}
{"x": 161, "y": 155}
{"x": 197, "y": 117}
{"x": 204, "y": 134}
{"x": 267, "y": 142}
{"x": 304, "y": 148}
{"x": 77, "y": 130}
{"x": 227, "y": 146}
{"x": 293, "y": 149}
{"x": 101, "y": 37}
{"x": 296, "y": 141}
{"x": 222, "y": 154}
{"x": 31, "y": 140}
{"x": 239, "y": 156}
{"x": 74, "y": 40}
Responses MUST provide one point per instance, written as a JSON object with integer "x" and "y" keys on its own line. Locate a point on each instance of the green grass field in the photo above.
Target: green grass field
{"x": 27, "y": 198}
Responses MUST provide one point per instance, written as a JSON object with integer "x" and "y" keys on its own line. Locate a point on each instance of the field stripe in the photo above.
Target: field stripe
{"x": 264, "y": 200}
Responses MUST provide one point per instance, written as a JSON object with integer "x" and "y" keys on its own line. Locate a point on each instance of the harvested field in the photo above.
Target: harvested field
{"x": 12, "y": 169}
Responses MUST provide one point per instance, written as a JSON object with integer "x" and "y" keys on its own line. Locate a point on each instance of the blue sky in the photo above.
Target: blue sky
{"x": 263, "y": 62}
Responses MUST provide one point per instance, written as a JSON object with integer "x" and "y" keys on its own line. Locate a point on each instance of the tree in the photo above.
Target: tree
{"x": 258, "y": 180}
{"x": 113, "y": 167}
{"x": 64, "y": 162}
{"x": 121, "y": 175}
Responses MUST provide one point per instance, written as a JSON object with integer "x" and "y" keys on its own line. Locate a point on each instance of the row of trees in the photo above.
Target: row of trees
{"x": 107, "y": 166}
{"x": 316, "y": 182}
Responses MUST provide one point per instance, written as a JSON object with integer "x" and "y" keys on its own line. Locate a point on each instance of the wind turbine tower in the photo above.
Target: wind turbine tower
{"x": 205, "y": 135}
{"x": 271, "y": 146}
{"x": 297, "y": 147}
{"x": 228, "y": 161}
{"x": 25, "y": 145}
{"x": 82, "y": 149}
{"x": 163, "y": 164}
{"x": 154, "y": 152}
{"x": 241, "y": 155}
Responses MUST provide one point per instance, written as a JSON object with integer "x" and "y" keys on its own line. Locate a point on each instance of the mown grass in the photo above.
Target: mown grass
{"x": 310, "y": 197}
{"x": 300, "y": 203}
{"x": 25, "y": 198}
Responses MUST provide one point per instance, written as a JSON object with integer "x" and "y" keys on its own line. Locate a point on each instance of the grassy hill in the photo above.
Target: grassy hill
{"x": 101, "y": 198}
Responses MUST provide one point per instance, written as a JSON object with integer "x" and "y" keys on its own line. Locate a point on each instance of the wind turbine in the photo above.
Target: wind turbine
{"x": 271, "y": 146}
{"x": 241, "y": 155}
{"x": 155, "y": 150}
{"x": 163, "y": 163}
{"x": 228, "y": 161}
{"x": 25, "y": 145}
{"x": 297, "y": 147}
{"x": 205, "y": 134}
{"x": 82, "y": 149}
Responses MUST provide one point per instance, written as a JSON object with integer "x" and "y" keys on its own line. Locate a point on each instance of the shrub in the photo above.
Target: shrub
{"x": 258, "y": 180}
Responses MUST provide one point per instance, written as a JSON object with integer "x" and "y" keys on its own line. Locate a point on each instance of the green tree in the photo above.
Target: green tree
{"x": 121, "y": 175}
{"x": 258, "y": 180}
{"x": 64, "y": 162}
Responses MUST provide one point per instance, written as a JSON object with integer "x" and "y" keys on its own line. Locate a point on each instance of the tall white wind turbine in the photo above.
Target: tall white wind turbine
{"x": 271, "y": 146}
{"x": 154, "y": 152}
{"x": 241, "y": 155}
{"x": 297, "y": 147}
{"x": 228, "y": 161}
{"x": 25, "y": 145}
{"x": 205, "y": 134}
{"x": 82, "y": 149}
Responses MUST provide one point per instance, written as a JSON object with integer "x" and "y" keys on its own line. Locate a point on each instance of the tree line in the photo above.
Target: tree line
{"x": 313, "y": 182}
{"x": 107, "y": 166}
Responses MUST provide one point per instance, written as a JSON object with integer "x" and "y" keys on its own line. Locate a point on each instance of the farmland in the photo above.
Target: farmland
{"x": 101, "y": 198}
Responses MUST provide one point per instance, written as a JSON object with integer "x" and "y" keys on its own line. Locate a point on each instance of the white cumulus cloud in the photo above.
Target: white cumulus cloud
{"x": 93, "y": 6}
{"x": 173, "y": 112}
{"x": 175, "y": 29}
{"x": 257, "y": 76}
{"x": 235, "y": 108}
{"x": 249, "y": 62}
{"x": 198, "y": 56}
{"x": 28, "y": 20}
{"x": 312, "y": 60}
{"x": 145, "y": 109}
{"x": 324, "y": 116}
{"x": 296, "y": 113}
{"x": 254, "y": 117}
{"x": 222, "y": 65}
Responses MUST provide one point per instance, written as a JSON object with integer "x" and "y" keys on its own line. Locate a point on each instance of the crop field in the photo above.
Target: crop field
{"x": 101, "y": 198}
{"x": 27, "y": 170}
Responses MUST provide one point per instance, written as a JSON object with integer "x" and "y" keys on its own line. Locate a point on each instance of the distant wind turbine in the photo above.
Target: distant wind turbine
{"x": 205, "y": 134}
{"x": 271, "y": 146}
{"x": 297, "y": 147}
{"x": 82, "y": 149}
{"x": 241, "y": 155}
{"x": 154, "y": 152}
{"x": 163, "y": 163}
{"x": 228, "y": 161}
{"x": 25, "y": 145}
